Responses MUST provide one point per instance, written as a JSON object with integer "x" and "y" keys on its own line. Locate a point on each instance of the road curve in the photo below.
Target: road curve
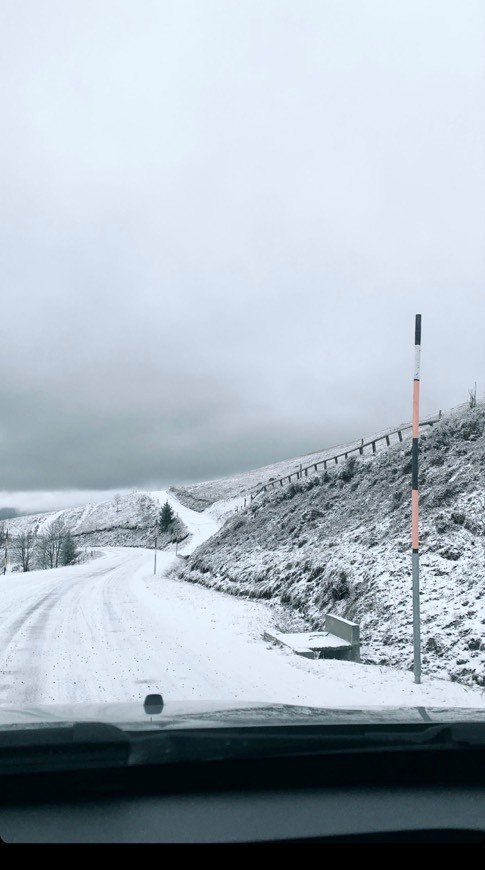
{"x": 111, "y": 630}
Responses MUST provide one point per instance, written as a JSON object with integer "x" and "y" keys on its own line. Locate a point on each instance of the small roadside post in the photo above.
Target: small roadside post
{"x": 155, "y": 555}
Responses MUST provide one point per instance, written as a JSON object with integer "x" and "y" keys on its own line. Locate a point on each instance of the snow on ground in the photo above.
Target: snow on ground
{"x": 111, "y": 630}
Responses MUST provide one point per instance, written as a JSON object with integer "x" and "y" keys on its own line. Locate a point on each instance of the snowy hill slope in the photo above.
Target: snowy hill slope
{"x": 340, "y": 542}
{"x": 124, "y": 522}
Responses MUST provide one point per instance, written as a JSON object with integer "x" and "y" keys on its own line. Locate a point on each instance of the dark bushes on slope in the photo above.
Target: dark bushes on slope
{"x": 349, "y": 469}
{"x": 340, "y": 588}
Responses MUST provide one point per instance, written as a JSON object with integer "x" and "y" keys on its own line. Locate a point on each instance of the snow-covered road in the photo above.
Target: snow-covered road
{"x": 112, "y": 630}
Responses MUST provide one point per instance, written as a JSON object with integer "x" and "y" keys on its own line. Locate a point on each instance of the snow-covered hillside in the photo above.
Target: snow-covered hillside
{"x": 128, "y": 520}
{"x": 339, "y": 541}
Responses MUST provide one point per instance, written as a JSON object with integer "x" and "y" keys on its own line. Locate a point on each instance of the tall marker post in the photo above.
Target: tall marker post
{"x": 5, "y": 558}
{"x": 414, "y": 503}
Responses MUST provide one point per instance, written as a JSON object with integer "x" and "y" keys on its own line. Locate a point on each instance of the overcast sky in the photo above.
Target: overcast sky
{"x": 218, "y": 219}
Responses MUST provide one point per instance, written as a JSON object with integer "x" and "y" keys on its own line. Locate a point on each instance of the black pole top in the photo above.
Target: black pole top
{"x": 417, "y": 331}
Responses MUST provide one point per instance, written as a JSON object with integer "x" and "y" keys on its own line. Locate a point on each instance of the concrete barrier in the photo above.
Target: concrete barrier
{"x": 348, "y": 631}
{"x": 339, "y": 640}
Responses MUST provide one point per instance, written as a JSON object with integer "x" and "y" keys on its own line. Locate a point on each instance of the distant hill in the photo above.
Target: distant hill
{"x": 125, "y": 521}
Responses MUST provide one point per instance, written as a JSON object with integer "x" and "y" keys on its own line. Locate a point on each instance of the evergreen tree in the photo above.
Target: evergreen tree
{"x": 167, "y": 517}
{"x": 69, "y": 551}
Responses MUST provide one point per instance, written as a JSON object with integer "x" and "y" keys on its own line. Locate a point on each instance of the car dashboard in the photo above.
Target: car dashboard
{"x": 417, "y": 795}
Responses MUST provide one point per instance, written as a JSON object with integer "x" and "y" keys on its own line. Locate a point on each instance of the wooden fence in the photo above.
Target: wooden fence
{"x": 334, "y": 458}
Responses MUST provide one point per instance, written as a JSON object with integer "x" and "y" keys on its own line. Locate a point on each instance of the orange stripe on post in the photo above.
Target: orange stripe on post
{"x": 415, "y": 528}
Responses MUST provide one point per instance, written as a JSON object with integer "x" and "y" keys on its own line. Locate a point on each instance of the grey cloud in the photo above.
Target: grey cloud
{"x": 217, "y": 223}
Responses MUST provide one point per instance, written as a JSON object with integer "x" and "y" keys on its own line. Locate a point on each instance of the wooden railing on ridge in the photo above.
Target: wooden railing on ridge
{"x": 359, "y": 448}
